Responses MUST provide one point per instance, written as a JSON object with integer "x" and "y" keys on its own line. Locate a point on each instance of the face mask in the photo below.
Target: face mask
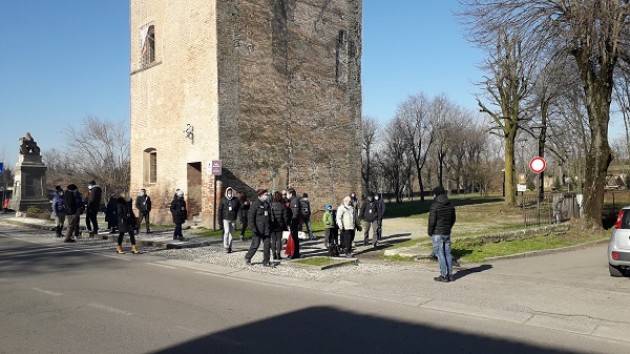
{"x": 229, "y": 195}
{"x": 376, "y": 197}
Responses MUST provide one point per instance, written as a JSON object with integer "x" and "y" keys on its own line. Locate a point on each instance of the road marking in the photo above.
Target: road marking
{"x": 109, "y": 309}
{"x": 47, "y": 292}
{"x": 161, "y": 265}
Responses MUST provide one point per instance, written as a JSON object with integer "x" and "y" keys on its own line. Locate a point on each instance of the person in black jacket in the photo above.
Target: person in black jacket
{"x": 126, "y": 224}
{"x": 228, "y": 213}
{"x": 95, "y": 195}
{"x": 143, "y": 204}
{"x": 111, "y": 214}
{"x": 74, "y": 206}
{"x": 296, "y": 220}
{"x": 369, "y": 216}
{"x": 260, "y": 224}
{"x": 305, "y": 206}
{"x": 244, "y": 213}
{"x": 441, "y": 220}
{"x": 279, "y": 223}
{"x": 179, "y": 213}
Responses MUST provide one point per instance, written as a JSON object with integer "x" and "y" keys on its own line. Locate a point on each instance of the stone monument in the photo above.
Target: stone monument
{"x": 29, "y": 188}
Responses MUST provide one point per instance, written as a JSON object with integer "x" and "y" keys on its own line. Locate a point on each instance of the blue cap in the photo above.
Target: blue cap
{"x": 328, "y": 207}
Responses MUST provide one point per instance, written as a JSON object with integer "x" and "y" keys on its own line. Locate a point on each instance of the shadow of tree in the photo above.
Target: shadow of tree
{"x": 304, "y": 332}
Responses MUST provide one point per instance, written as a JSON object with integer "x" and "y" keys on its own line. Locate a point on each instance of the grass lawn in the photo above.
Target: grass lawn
{"x": 316, "y": 261}
{"x": 478, "y": 253}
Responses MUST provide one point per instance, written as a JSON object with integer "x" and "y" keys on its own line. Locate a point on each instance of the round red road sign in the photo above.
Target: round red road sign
{"x": 538, "y": 165}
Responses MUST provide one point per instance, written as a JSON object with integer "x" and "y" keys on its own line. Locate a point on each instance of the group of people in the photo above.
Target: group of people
{"x": 68, "y": 205}
{"x": 268, "y": 217}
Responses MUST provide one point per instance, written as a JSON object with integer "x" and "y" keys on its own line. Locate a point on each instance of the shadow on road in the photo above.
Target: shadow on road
{"x": 329, "y": 330}
{"x": 465, "y": 272}
{"x": 19, "y": 259}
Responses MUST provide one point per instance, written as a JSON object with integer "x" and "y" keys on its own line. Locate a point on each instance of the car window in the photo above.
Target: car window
{"x": 625, "y": 222}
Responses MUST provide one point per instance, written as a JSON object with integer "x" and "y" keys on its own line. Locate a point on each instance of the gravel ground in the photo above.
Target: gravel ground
{"x": 216, "y": 256}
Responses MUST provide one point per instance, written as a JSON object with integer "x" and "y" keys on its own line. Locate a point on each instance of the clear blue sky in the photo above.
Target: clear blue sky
{"x": 61, "y": 60}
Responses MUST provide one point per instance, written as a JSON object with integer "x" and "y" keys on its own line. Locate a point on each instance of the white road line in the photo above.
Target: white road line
{"x": 161, "y": 265}
{"x": 47, "y": 292}
{"x": 109, "y": 309}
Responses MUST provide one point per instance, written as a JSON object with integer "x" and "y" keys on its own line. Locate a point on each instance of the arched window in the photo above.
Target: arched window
{"x": 148, "y": 45}
{"x": 150, "y": 166}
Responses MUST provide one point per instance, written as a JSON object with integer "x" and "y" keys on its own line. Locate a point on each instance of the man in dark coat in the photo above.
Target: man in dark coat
{"x": 441, "y": 220}
{"x": 296, "y": 219}
{"x": 111, "y": 214}
{"x": 369, "y": 217}
{"x": 305, "y": 206}
{"x": 179, "y": 213}
{"x": 95, "y": 195}
{"x": 260, "y": 224}
{"x": 74, "y": 208}
{"x": 143, "y": 204}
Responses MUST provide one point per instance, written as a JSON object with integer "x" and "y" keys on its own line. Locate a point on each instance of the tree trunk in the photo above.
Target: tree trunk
{"x": 599, "y": 158}
{"x": 420, "y": 184}
{"x": 441, "y": 171}
{"x": 510, "y": 186}
{"x": 542, "y": 139}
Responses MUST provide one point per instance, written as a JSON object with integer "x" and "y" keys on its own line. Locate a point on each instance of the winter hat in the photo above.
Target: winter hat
{"x": 328, "y": 207}
{"x": 180, "y": 193}
{"x": 59, "y": 189}
{"x": 260, "y": 192}
{"x": 72, "y": 187}
{"x": 439, "y": 190}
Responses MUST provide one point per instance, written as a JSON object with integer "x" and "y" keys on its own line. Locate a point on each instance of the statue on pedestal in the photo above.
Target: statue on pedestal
{"x": 29, "y": 188}
{"x": 28, "y": 146}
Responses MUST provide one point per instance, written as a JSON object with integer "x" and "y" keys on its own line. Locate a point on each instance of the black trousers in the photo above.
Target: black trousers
{"x": 243, "y": 227}
{"x": 143, "y": 217}
{"x": 276, "y": 244}
{"x": 132, "y": 237}
{"x": 347, "y": 237}
{"x": 90, "y": 221}
{"x": 295, "y": 228}
{"x": 254, "y": 247}
{"x": 178, "y": 232}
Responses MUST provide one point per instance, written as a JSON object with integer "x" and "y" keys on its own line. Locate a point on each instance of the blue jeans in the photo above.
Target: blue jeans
{"x": 442, "y": 249}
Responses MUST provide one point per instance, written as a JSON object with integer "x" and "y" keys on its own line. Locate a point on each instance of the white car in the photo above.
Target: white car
{"x": 619, "y": 245}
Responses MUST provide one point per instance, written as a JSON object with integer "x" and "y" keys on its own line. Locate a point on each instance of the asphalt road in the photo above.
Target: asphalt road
{"x": 70, "y": 299}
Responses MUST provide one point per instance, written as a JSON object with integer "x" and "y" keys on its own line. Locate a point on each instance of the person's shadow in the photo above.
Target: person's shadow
{"x": 465, "y": 272}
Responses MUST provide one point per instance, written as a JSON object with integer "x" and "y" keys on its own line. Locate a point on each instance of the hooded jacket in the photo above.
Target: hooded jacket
{"x": 72, "y": 200}
{"x": 280, "y": 218}
{"x": 228, "y": 210}
{"x": 178, "y": 210}
{"x": 441, "y": 216}
{"x": 124, "y": 212}
{"x": 345, "y": 217}
{"x": 305, "y": 208}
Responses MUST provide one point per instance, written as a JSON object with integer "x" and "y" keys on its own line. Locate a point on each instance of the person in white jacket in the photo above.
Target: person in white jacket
{"x": 347, "y": 224}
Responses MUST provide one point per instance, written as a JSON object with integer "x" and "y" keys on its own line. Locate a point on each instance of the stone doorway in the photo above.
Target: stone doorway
{"x": 194, "y": 190}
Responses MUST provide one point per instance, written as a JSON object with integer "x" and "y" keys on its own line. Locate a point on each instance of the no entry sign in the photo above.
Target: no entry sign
{"x": 538, "y": 165}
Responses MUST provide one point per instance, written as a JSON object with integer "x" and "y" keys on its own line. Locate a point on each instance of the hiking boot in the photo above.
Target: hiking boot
{"x": 134, "y": 249}
{"x": 120, "y": 250}
{"x": 451, "y": 278}
{"x": 441, "y": 279}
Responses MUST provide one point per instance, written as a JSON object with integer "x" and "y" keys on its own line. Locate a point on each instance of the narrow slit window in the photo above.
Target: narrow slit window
{"x": 341, "y": 68}
{"x": 148, "y": 45}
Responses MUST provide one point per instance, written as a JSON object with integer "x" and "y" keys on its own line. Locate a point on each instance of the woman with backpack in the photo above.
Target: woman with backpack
{"x": 126, "y": 224}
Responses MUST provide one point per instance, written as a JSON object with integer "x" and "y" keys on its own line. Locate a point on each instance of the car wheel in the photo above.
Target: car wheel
{"x": 615, "y": 271}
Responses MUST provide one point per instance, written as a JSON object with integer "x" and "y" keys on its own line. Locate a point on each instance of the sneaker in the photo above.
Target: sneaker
{"x": 451, "y": 278}
{"x": 441, "y": 279}
{"x": 375, "y": 244}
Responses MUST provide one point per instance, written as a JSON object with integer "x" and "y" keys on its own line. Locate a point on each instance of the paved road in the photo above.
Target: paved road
{"x": 84, "y": 299}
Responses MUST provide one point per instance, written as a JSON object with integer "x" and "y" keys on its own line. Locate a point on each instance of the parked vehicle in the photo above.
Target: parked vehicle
{"x": 619, "y": 245}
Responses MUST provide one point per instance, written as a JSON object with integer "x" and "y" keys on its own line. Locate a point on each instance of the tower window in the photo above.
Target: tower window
{"x": 148, "y": 45}
{"x": 341, "y": 68}
{"x": 150, "y": 166}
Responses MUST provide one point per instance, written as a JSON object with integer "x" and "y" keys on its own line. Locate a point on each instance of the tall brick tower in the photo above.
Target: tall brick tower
{"x": 270, "y": 87}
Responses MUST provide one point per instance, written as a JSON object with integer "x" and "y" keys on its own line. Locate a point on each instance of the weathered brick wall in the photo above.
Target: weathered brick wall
{"x": 181, "y": 88}
{"x": 289, "y": 113}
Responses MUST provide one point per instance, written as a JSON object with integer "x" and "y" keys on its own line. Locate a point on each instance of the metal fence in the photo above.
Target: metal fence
{"x": 553, "y": 208}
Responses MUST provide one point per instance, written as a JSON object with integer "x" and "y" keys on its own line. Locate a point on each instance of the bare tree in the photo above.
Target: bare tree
{"x": 98, "y": 150}
{"x": 369, "y": 136}
{"x": 595, "y": 35}
{"x": 418, "y": 133}
{"x": 393, "y": 158}
{"x": 442, "y": 113}
{"x": 506, "y": 87}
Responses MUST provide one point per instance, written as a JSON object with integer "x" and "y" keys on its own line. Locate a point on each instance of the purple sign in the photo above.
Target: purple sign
{"x": 217, "y": 167}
